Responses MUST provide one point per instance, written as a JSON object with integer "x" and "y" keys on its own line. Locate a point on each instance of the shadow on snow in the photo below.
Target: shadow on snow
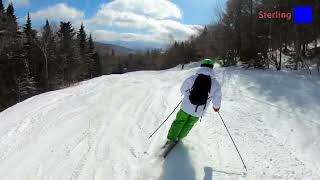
{"x": 177, "y": 165}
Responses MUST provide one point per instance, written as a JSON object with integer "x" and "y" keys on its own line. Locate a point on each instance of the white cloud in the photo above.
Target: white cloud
{"x": 19, "y": 3}
{"x": 59, "y": 11}
{"x": 105, "y": 35}
{"x": 137, "y": 14}
{"x": 159, "y": 9}
{"x": 155, "y": 21}
{"x": 158, "y": 18}
{"x": 179, "y": 33}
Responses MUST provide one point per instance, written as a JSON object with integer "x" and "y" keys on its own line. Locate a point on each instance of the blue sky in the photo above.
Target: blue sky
{"x": 152, "y": 22}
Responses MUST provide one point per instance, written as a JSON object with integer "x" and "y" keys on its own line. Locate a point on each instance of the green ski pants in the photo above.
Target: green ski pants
{"x": 181, "y": 126}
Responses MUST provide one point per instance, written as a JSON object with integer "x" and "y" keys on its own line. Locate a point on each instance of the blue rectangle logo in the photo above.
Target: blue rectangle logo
{"x": 303, "y": 15}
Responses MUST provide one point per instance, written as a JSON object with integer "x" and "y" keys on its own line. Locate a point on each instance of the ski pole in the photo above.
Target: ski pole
{"x": 233, "y": 142}
{"x": 165, "y": 120}
{"x": 204, "y": 108}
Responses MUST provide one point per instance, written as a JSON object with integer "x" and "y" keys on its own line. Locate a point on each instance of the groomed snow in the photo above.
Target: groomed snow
{"x": 98, "y": 130}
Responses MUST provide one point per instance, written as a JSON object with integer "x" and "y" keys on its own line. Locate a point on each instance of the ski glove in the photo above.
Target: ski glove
{"x": 216, "y": 109}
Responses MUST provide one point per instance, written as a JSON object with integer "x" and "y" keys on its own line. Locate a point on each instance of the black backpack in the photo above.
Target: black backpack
{"x": 200, "y": 91}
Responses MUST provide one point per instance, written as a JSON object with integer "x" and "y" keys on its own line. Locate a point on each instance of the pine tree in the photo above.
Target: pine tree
{"x": 9, "y": 43}
{"x": 11, "y": 20}
{"x": 2, "y": 25}
{"x": 90, "y": 45}
{"x": 20, "y": 78}
{"x": 85, "y": 61}
{"x": 67, "y": 54}
{"x": 28, "y": 27}
{"x": 2, "y": 13}
{"x": 97, "y": 67}
{"x": 82, "y": 38}
{"x": 28, "y": 47}
{"x": 10, "y": 11}
{"x": 90, "y": 54}
{"x": 66, "y": 34}
{"x": 95, "y": 64}
{"x": 1, "y": 7}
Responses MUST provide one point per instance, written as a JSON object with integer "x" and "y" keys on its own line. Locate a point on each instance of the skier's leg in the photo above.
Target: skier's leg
{"x": 177, "y": 125}
{"x": 187, "y": 126}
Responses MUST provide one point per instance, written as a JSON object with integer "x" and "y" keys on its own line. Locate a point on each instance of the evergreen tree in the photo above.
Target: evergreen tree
{"x": 8, "y": 61}
{"x": 82, "y": 39}
{"x": 1, "y": 8}
{"x": 85, "y": 61}
{"x": 67, "y": 54}
{"x": 10, "y": 11}
{"x": 28, "y": 45}
{"x": 2, "y": 25}
{"x": 28, "y": 27}
{"x": 90, "y": 45}
{"x": 93, "y": 59}
{"x": 11, "y": 21}
{"x": 2, "y": 14}
{"x": 90, "y": 56}
{"x": 28, "y": 30}
{"x": 7, "y": 83}
{"x": 66, "y": 34}
{"x": 19, "y": 77}
{"x": 97, "y": 67}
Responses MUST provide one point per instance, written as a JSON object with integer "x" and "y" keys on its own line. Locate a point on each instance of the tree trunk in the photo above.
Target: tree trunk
{"x": 286, "y": 39}
{"x": 280, "y": 61}
{"x": 315, "y": 34}
{"x": 251, "y": 24}
{"x": 19, "y": 90}
{"x": 316, "y": 41}
{"x": 43, "y": 48}
{"x": 269, "y": 43}
{"x": 304, "y": 48}
{"x": 297, "y": 45}
{"x": 238, "y": 30}
{"x": 46, "y": 72}
{"x": 286, "y": 45}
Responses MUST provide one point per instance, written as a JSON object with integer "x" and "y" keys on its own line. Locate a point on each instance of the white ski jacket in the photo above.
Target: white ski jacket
{"x": 214, "y": 96}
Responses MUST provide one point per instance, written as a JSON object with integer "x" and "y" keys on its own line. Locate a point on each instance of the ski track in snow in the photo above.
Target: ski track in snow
{"x": 99, "y": 130}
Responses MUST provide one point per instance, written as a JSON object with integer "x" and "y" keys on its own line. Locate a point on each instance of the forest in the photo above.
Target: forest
{"x": 239, "y": 35}
{"x": 34, "y": 62}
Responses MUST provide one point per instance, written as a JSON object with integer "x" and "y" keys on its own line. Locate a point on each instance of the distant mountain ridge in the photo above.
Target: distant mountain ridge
{"x": 103, "y": 48}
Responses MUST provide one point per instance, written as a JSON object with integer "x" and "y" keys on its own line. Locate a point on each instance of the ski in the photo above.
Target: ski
{"x": 168, "y": 147}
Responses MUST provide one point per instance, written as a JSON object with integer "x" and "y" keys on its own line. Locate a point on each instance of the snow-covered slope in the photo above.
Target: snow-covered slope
{"x": 98, "y": 130}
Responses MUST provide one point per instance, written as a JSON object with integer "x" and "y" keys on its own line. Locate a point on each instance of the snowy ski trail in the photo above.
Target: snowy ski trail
{"x": 99, "y": 130}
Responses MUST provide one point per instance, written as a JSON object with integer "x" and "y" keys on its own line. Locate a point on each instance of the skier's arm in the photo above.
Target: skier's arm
{"x": 216, "y": 95}
{"x": 187, "y": 84}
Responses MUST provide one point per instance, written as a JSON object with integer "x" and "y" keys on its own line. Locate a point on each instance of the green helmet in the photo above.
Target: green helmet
{"x": 207, "y": 63}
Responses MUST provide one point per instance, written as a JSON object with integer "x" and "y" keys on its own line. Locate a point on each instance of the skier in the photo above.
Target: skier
{"x": 198, "y": 90}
